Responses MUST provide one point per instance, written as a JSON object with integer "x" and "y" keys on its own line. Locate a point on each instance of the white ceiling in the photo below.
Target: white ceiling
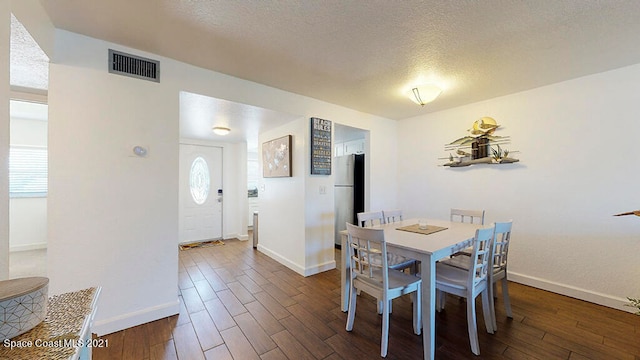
{"x": 29, "y": 64}
{"x": 363, "y": 54}
{"x": 199, "y": 114}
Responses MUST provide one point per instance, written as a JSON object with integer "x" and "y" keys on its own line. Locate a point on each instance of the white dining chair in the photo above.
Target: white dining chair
{"x": 498, "y": 273}
{"x": 466, "y": 216}
{"x": 395, "y": 261}
{"x": 370, "y": 218}
{"x": 391, "y": 216}
{"x": 499, "y": 267}
{"x": 469, "y": 284}
{"x": 370, "y": 273}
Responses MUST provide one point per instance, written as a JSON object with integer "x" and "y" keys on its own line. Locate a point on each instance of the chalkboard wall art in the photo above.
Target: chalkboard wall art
{"x": 320, "y": 147}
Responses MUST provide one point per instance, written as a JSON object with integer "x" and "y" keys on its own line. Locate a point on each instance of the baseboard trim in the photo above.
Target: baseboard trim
{"x": 125, "y": 321}
{"x": 242, "y": 237}
{"x": 571, "y": 291}
{"x": 295, "y": 267}
{"x": 329, "y": 265}
{"x": 282, "y": 260}
{"x": 36, "y": 246}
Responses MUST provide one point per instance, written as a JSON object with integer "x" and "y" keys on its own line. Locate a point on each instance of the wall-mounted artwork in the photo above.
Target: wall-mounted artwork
{"x": 481, "y": 146}
{"x": 320, "y": 147}
{"x": 276, "y": 157}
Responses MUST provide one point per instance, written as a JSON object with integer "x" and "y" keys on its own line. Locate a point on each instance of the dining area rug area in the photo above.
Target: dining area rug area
{"x": 200, "y": 244}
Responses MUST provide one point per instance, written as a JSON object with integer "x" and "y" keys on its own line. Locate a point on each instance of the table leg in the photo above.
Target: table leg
{"x": 428, "y": 306}
{"x": 344, "y": 278}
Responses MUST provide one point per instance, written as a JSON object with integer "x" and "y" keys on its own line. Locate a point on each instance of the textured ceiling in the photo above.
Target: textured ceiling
{"x": 363, "y": 54}
{"x": 199, "y": 114}
{"x": 29, "y": 65}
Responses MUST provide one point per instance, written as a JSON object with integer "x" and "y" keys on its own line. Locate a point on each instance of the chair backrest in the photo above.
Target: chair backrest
{"x": 482, "y": 246}
{"x": 501, "y": 245}
{"x": 367, "y": 219}
{"x": 391, "y": 216}
{"x": 367, "y": 252}
{"x": 471, "y": 216}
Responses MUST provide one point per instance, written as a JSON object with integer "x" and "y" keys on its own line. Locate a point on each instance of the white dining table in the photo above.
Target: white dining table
{"x": 428, "y": 249}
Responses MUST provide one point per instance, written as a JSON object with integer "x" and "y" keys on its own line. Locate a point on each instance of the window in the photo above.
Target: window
{"x": 199, "y": 180}
{"x": 27, "y": 171}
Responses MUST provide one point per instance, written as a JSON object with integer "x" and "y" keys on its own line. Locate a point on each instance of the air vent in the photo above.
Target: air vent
{"x": 133, "y": 66}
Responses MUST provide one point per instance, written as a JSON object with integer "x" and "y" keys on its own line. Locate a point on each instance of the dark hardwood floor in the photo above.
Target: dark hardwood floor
{"x": 239, "y": 304}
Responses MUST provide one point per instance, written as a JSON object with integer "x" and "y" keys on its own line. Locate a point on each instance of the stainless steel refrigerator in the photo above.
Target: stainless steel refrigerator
{"x": 348, "y": 192}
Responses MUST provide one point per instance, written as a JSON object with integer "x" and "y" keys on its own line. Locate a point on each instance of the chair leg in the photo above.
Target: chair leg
{"x": 507, "y": 301}
{"x": 385, "y": 329}
{"x": 417, "y": 311}
{"x": 415, "y": 268}
{"x": 351, "y": 314}
{"x": 487, "y": 300}
{"x": 492, "y": 306}
{"x": 471, "y": 325}
{"x": 379, "y": 306}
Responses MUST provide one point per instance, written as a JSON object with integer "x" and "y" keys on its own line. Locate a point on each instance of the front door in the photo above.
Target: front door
{"x": 200, "y": 193}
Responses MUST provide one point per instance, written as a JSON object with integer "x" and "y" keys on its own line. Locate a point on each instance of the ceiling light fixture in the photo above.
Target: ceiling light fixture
{"x": 424, "y": 94}
{"x": 221, "y": 130}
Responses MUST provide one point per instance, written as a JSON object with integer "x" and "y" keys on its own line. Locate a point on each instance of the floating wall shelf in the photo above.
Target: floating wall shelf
{"x": 481, "y": 146}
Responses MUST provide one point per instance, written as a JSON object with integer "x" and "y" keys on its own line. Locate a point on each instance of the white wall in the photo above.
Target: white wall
{"x": 281, "y": 221}
{"x": 296, "y": 217}
{"x": 113, "y": 217}
{"x": 578, "y": 166}
{"x": 319, "y": 213}
{"x": 28, "y": 220}
{"x": 28, "y": 132}
{"x": 253, "y": 176}
{"x": 5, "y": 45}
{"x": 235, "y": 196}
{"x": 28, "y": 223}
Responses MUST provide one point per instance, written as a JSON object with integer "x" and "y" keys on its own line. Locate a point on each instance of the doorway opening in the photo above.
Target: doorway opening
{"x": 350, "y": 173}
{"x": 28, "y": 189}
{"x": 28, "y": 155}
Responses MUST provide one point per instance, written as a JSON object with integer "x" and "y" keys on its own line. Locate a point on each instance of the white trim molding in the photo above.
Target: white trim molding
{"x": 125, "y": 321}
{"x": 27, "y": 247}
{"x": 304, "y": 271}
{"x": 329, "y": 265}
{"x": 282, "y": 260}
{"x": 571, "y": 291}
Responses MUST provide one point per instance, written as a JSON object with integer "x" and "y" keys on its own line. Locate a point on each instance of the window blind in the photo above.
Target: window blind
{"x": 28, "y": 172}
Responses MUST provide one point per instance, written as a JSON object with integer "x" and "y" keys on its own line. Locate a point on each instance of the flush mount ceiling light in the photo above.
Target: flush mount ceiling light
{"x": 424, "y": 94}
{"x": 221, "y": 130}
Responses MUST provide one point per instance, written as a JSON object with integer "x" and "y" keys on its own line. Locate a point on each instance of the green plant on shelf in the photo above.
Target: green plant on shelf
{"x": 634, "y": 303}
{"x": 499, "y": 154}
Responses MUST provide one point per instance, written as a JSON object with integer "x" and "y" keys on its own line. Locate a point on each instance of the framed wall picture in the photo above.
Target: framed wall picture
{"x": 276, "y": 157}
{"x": 321, "y": 151}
